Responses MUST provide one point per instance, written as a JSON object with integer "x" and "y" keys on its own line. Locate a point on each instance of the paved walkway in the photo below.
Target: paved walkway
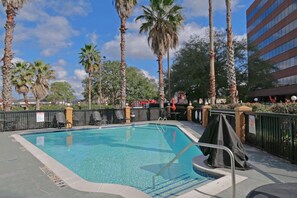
{"x": 21, "y": 175}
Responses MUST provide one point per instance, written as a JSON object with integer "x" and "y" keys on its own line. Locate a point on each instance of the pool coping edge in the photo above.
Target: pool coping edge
{"x": 74, "y": 181}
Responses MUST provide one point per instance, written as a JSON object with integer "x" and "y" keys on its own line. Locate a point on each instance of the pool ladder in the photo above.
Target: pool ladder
{"x": 204, "y": 145}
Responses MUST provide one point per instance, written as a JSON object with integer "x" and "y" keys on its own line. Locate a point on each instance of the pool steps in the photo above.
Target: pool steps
{"x": 175, "y": 187}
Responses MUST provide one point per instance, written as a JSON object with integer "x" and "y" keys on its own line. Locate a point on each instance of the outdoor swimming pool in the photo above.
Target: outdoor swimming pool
{"x": 127, "y": 155}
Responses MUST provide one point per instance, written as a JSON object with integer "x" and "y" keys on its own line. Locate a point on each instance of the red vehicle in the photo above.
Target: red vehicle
{"x": 143, "y": 103}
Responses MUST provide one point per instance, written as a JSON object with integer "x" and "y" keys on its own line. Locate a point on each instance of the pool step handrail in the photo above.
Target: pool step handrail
{"x": 204, "y": 145}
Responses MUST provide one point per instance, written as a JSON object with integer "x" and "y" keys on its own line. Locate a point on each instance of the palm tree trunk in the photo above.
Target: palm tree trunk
{"x": 26, "y": 101}
{"x": 90, "y": 91}
{"x": 8, "y": 55}
{"x": 161, "y": 81}
{"x": 212, "y": 91}
{"x": 37, "y": 107}
{"x": 100, "y": 85}
{"x": 123, "y": 63}
{"x": 230, "y": 62}
{"x": 169, "y": 87}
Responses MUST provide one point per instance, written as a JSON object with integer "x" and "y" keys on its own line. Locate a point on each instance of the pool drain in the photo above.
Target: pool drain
{"x": 53, "y": 177}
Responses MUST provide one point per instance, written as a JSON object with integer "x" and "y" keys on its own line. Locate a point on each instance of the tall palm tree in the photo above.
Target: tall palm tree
{"x": 161, "y": 20}
{"x": 124, "y": 9}
{"x": 40, "y": 86}
{"x": 12, "y": 6}
{"x": 212, "y": 90}
{"x": 230, "y": 62}
{"x": 90, "y": 59}
{"x": 22, "y": 75}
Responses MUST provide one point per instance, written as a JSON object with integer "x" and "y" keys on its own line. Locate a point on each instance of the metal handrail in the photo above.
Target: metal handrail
{"x": 205, "y": 145}
{"x": 217, "y": 112}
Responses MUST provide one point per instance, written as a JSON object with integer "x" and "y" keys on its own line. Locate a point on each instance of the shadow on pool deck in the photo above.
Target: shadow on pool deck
{"x": 21, "y": 176}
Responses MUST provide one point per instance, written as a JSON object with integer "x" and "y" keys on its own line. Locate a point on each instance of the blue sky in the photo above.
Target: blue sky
{"x": 55, "y": 30}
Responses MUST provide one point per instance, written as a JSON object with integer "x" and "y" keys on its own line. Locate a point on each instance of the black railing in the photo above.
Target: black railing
{"x": 274, "y": 133}
{"x": 197, "y": 115}
{"x": 24, "y": 120}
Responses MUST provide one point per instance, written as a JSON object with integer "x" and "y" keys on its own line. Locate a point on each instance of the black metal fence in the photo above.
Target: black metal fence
{"x": 274, "y": 133}
{"x": 24, "y": 120}
{"x": 197, "y": 115}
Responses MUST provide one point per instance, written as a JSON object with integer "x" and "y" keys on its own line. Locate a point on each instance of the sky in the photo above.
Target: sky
{"x": 55, "y": 30}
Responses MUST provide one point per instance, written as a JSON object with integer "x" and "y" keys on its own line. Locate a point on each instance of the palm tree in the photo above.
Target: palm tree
{"x": 12, "y": 6}
{"x": 124, "y": 9}
{"x": 230, "y": 62}
{"x": 22, "y": 75}
{"x": 161, "y": 20}
{"x": 40, "y": 86}
{"x": 212, "y": 79}
{"x": 90, "y": 59}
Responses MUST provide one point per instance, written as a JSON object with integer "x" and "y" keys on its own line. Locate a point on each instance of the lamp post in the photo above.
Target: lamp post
{"x": 256, "y": 99}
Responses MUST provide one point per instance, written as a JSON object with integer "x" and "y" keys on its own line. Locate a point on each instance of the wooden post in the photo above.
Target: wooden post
{"x": 205, "y": 112}
{"x": 128, "y": 114}
{"x": 168, "y": 109}
{"x": 240, "y": 121}
{"x": 189, "y": 112}
{"x": 69, "y": 117}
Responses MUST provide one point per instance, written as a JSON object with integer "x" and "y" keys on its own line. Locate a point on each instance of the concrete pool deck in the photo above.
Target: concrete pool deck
{"x": 22, "y": 175}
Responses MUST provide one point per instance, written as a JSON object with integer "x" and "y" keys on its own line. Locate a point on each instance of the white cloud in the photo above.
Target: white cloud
{"x": 240, "y": 37}
{"x": 54, "y": 34}
{"x": 34, "y": 9}
{"x": 70, "y": 7}
{"x": 49, "y": 32}
{"x": 93, "y": 37}
{"x": 191, "y": 29}
{"x": 137, "y": 46}
{"x": 80, "y": 74}
{"x": 194, "y": 8}
{"x": 146, "y": 74}
{"x": 61, "y": 73}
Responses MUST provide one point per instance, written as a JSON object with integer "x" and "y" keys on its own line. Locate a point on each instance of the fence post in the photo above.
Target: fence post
{"x": 168, "y": 109}
{"x": 205, "y": 112}
{"x": 189, "y": 112}
{"x": 68, "y": 116}
{"x": 128, "y": 114}
{"x": 240, "y": 121}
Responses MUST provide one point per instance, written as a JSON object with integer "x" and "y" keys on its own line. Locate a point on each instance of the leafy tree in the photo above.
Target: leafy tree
{"x": 111, "y": 83}
{"x": 61, "y": 91}
{"x": 259, "y": 71}
{"x": 191, "y": 68}
{"x": 138, "y": 86}
{"x": 22, "y": 75}
{"x": 12, "y": 6}
{"x": 161, "y": 20}
{"x": 90, "y": 59}
{"x": 40, "y": 86}
{"x": 124, "y": 9}
{"x": 190, "y": 71}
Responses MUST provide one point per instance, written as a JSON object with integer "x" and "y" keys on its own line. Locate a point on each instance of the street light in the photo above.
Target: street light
{"x": 256, "y": 99}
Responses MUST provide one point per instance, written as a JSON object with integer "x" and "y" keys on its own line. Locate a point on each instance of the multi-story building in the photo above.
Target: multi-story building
{"x": 272, "y": 28}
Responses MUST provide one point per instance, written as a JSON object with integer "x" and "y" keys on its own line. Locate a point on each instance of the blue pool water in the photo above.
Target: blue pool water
{"x": 128, "y": 155}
